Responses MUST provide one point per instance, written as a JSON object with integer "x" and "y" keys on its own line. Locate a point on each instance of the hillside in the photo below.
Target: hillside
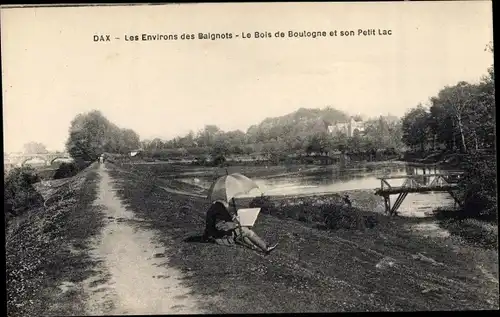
{"x": 302, "y": 122}
{"x": 293, "y": 131}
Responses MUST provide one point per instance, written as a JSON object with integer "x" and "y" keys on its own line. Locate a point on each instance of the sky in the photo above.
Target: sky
{"x": 52, "y": 69}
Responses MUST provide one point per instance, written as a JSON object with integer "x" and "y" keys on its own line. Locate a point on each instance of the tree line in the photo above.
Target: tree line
{"x": 379, "y": 133}
{"x": 460, "y": 119}
{"x": 303, "y": 131}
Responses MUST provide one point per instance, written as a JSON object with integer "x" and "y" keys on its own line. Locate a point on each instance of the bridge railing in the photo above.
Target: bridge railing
{"x": 20, "y": 159}
{"x": 412, "y": 184}
{"x": 415, "y": 181}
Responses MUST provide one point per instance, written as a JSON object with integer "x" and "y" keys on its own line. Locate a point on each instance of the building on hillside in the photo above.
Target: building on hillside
{"x": 348, "y": 128}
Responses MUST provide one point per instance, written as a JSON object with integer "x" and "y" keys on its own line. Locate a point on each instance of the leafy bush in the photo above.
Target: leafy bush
{"x": 266, "y": 206}
{"x": 341, "y": 217}
{"x": 159, "y": 155}
{"x": 70, "y": 169}
{"x": 20, "y": 195}
{"x": 219, "y": 160}
{"x": 66, "y": 170}
{"x": 327, "y": 211}
{"x": 479, "y": 187}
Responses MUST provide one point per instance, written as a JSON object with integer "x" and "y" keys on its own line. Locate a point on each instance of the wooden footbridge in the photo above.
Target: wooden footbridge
{"x": 417, "y": 184}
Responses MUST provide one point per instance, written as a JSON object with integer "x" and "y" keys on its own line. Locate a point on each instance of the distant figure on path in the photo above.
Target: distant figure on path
{"x": 222, "y": 228}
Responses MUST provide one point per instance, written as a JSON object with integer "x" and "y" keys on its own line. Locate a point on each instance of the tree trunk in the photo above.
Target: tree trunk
{"x": 462, "y": 136}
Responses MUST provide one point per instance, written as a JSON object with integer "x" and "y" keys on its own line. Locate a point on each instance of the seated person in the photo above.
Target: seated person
{"x": 222, "y": 227}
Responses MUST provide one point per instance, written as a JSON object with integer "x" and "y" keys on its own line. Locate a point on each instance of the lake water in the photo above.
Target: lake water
{"x": 417, "y": 205}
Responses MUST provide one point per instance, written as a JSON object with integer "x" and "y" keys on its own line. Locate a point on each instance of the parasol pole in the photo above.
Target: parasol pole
{"x": 235, "y": 216}
{"x": 235, "y": 212}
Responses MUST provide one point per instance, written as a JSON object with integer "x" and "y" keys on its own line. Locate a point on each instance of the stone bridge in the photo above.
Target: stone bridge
{"x": 21, "y": 159}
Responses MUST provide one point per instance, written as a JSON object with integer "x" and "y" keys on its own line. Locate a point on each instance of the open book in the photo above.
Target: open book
{"x": 248, "y": 216}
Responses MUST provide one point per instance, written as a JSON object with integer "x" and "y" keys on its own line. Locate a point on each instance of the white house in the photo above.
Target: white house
{"x": 347, "y": 128}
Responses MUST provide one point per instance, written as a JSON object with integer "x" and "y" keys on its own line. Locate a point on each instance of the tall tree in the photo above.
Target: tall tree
{"x": 156, "y": 144}
{"x": 415, "y": 126}
{"x": 458, "y": 99}
{"x": 92, "y": 134}
{"x": 206, "y": 137}
{"x": 131, "y": 139}
{"x": 145, "y": 144}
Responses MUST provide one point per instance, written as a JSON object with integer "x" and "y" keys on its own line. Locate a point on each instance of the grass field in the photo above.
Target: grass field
{"x": 389, "y": 267}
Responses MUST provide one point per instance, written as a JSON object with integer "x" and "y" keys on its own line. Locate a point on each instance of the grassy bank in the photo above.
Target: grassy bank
{"x": 316, "y": 209}
{"x": 386, "y": 267}
{"x": 480, "y": 233}
{"x": 313, "y": 209}
{"x": 46, "y": 250}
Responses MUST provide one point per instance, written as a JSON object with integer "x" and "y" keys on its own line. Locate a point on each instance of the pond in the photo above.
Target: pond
{"x": 334, "y": 180}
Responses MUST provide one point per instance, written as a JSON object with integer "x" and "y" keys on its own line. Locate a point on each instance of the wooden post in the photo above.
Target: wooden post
{"x": 398, "y": 202}
{"x": 455, "y": 198}
{"x": 387, "y": 203}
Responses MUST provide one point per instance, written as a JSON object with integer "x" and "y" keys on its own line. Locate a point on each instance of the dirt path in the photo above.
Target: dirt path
{"x": 131, "y": 280}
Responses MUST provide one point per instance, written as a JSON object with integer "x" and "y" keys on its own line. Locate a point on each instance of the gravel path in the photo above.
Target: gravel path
{"x": 131, "y": 280}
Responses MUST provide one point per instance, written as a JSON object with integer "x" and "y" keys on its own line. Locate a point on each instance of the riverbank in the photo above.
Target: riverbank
{"x": 171, "y": 170}
{"x": 388, "y": 267}
{"x": 183, "y": 178}
{"x": 477, "y": 232}
{"x": 310, "y": 208}
{"x": 299, "y": 206}
{"x": 46, "y": 249}
{"x": 260, "y": 170}
{"x": 477, "y": 219}
{"x": 187, "y": 177}
{"x": 361, "y": 199}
